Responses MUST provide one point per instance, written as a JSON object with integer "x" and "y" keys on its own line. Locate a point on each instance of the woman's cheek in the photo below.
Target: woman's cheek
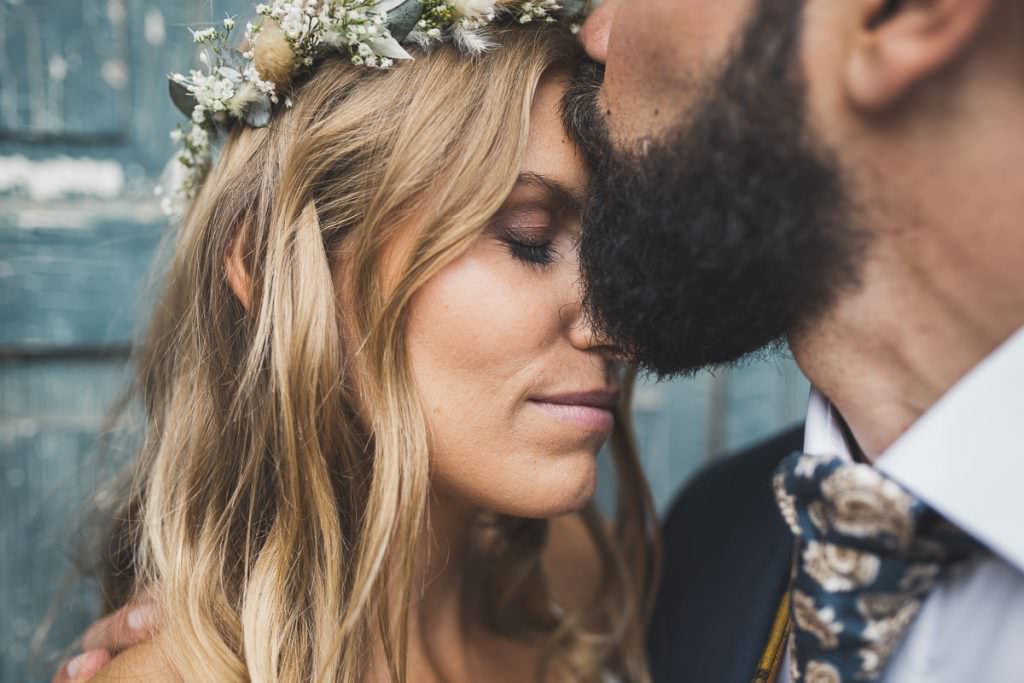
{"x": 476, "y": 340}
{"x": 474, "y": 334}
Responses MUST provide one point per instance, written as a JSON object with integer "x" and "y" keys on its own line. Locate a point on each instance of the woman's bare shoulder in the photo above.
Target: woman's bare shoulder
{"x": 572, "y": 563}
{"x": 145, "y": 662}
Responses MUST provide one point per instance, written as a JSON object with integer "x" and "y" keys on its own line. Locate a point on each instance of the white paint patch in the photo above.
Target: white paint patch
{"x": 115, "y": 73}
{"x": 36, "y": 219}
{"x": 153, "y": 27}
{"x": 115, "y": 12}
{"x": 50, "y": 179}
{"x": 58, "y": 68}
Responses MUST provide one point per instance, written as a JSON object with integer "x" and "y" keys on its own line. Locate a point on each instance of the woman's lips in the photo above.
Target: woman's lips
{"x": 589, "y": 410}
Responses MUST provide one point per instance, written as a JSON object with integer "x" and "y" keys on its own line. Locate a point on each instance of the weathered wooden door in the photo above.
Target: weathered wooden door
{"x": 84, "y": 122}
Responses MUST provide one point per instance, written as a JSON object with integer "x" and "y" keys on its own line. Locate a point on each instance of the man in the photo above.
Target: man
{"x": 844, "y": 177}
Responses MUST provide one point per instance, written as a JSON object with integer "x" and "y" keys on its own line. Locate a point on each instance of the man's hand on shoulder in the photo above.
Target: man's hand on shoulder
{"x": 132, "y": 625}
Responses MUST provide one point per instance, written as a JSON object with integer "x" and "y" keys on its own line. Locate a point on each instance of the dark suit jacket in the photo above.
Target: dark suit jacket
{"x": 726, "y": 567}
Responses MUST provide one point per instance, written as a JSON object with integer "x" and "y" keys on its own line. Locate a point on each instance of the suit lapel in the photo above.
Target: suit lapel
{"x": 727, "y": 560}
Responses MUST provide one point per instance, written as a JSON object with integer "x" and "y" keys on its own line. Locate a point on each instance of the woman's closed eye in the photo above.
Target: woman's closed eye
{"x": 528, "y": 233}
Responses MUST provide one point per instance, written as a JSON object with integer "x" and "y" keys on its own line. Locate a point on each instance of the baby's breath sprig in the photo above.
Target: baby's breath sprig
{"x": 437, "y": 15}
{"x": 543, "y": 10}
{"x": 225, "y": 88}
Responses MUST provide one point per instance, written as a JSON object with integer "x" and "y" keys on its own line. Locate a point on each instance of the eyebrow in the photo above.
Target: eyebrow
{"x": 561, "y": 193}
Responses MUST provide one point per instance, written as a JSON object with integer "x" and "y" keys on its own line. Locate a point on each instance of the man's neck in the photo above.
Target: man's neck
{"x": 887, "y": 352}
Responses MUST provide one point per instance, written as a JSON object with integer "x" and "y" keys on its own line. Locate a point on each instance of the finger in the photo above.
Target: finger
{"x": 130, "y": 625}
{"x": 83, "y": 667}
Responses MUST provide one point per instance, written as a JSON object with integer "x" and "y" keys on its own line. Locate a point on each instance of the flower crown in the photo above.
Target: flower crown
{"x": 290, "y": 36}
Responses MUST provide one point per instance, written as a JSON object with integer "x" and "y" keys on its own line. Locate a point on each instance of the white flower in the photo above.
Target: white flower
{"x": 474, "y": 9}
{"x": 199, "y": 137}
{"x": 177, "y": 135}
{"x": 293, "y": 22}
{"x": 212, "y": 92}
{"x": 198, "y": 115}
{"x": 229, "y": 23}
{"x": 538, "y": 9}
{"x": 203, "y": 36}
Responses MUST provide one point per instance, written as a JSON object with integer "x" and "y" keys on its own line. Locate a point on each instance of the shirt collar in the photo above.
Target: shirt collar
{"x": 962, "y": 457}
{"x": 822, "y": 433}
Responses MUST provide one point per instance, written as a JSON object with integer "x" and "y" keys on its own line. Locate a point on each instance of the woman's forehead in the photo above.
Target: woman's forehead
{"x": 550, "y": 152}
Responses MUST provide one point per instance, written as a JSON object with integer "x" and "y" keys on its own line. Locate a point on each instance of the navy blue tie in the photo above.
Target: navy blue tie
{"x": 867, "y": 554}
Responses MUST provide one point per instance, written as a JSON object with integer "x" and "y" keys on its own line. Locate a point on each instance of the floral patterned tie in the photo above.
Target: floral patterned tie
{"x": 867, "y": 554}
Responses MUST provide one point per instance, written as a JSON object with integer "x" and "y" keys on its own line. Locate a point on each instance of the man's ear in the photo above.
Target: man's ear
{"x": 235, "y": 271}
{"x": 900, "y": 43}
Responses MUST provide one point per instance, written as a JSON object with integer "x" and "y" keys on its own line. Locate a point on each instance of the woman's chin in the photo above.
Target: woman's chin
{"x": 551, "y": 493}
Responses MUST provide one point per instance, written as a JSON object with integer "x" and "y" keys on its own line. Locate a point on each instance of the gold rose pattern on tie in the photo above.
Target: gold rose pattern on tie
{"x": 867, "y": 554}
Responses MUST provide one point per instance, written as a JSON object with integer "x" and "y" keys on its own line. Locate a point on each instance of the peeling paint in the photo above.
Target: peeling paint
{"x": 153, "y": 27}
{"x": 116, "y": 12}
{"x": 115, "y": 73}
{"x": 58, "y": 68}
{"x": 35, "y": 219}
{"x": 49, "y": 179}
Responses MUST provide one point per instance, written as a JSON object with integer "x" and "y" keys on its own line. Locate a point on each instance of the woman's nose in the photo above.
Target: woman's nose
{"x": 586, "y": 335}
{"x": 597, "y": 27}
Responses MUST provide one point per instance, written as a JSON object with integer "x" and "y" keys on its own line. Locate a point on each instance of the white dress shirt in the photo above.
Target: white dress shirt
{"x": 965, "y": 459}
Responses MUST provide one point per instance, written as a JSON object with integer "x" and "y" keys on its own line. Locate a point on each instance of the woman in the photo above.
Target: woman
{"x": 373, "y": 402}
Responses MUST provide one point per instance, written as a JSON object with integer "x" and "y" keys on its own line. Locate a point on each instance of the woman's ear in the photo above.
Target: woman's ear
{"x": 900, "y": 43}
{"x": 234, "y": 268}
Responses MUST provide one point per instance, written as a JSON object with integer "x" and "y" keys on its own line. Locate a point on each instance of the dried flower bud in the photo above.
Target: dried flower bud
{"x": 273, "y": 55}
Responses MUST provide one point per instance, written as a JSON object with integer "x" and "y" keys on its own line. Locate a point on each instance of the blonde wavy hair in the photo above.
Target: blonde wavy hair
{"x": 273, "y": 509}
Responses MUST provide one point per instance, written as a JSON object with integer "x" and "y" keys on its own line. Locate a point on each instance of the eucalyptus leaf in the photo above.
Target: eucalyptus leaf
{"x": 182, "y": 98}
{"x": 402, "y": 19}
{"x": 222, "y": 126}
{"x": 234, "y": 59}
{"x": 257, "y": 114}
{"x": 385, "y": 6}
{"x": 388, "y": 47}
{"x": 572, "y": 8}
{"x": 230, "y": 74}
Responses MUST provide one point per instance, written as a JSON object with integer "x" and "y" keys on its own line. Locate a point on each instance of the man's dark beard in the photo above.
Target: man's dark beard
{"x": 730, "y": 232}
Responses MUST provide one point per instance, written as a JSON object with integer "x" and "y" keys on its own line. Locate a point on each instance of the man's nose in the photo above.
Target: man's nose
{"x": 594, "y": 34}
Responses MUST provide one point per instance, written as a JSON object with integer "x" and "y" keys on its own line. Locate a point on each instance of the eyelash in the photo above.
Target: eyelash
{"x": 534, "y": 254}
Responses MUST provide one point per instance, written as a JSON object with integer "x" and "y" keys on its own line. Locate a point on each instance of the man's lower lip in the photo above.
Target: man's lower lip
{"x": 587, "y": 417}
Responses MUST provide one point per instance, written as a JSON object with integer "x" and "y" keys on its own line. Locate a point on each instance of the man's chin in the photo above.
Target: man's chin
{"x": 727, "y": 232}
{"x": 663, "y": 282}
